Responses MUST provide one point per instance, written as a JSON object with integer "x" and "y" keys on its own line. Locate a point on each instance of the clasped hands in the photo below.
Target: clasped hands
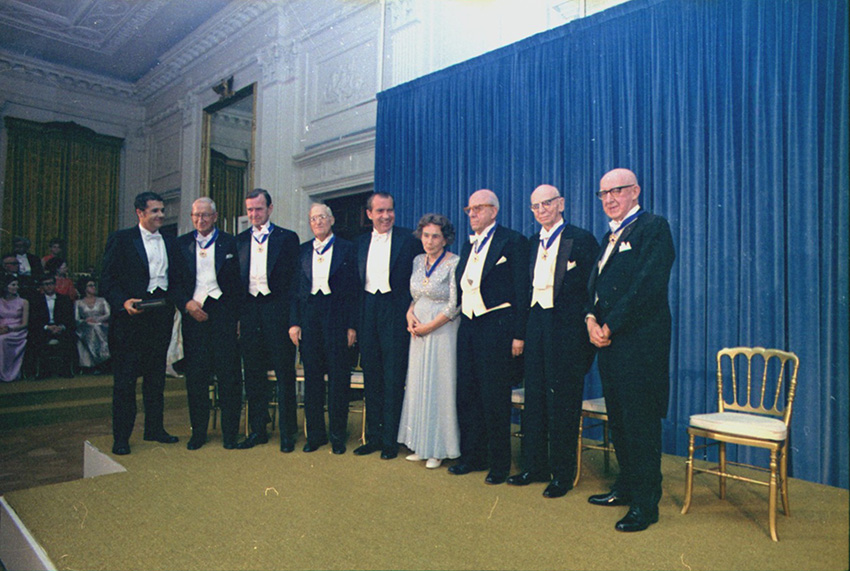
{"x": 599, "y": 335}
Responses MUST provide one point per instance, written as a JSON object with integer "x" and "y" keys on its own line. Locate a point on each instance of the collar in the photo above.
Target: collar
{"x": 545, "y": 234}
{"x": 381, "y": 237}
{"x": 615, "y": 225}
{"x": 264, "y": 229}
{"x": 318, "y": 244}
{"x": 147, "y": 235}
{"x": 483, "y": 233}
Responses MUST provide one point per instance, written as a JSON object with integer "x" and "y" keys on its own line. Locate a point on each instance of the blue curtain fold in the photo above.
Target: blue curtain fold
{"x": 733, "y": 114}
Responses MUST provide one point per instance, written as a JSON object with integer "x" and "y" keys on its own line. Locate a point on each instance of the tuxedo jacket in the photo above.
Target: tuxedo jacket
{"x": 125, "y": 273}
{"x": 63, "y": 314}
{"x": 577, "y": 255}
{"x": 226, "y": 268}
{"x": 630, "y": 296}
{"x": 403, "y": 248}
{"x": 342, "y": 281}
{"x": 504, "y": 278}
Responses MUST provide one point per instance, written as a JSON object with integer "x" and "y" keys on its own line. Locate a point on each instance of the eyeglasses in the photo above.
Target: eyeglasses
{"x": 478, "y": 208}
{"x": 204, "y": 215}
{"x": 319, "y": 218}
{"x": 613, "y": 191}
{"x": 545, "y": 204}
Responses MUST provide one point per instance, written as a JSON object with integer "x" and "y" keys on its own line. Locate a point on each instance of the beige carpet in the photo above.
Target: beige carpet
{"x": 260, "y": 509}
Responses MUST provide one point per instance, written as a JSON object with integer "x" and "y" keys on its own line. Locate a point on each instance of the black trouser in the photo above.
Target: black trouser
{"x": 210, "y": 349}
{"x": 140, "y": 349}
{"x": 384, "y": 345}
{"x": 485, "y": 373}
{"x": 265, "y": 340}
{"x": 553, "y": 394}
{"x": 324, "y": 349}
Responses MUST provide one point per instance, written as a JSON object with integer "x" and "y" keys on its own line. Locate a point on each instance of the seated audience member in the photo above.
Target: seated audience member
{"x": 58, "y": 268}
{"x": 26, "y": 285}
{"x": 28, "y": 264}
{"x": 56, "y": 249}
{"x": 91, "y": 314}
{"x": 14, "y": 316}
{"x": 51, "y": 328}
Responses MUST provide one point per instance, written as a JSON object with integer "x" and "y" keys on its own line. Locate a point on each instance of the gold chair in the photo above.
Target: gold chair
{"x": 357, "y": 383}
{"x": 593, "y": 409}
{"x": 758, "y": 414}
{"x": 518, "y": 402}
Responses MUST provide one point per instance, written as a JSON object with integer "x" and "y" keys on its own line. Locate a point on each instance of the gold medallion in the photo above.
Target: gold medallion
{"x": 260, "y": 249}
{"x": 203, "y": 253}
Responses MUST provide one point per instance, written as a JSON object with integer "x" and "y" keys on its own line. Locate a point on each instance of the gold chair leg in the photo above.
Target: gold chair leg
{"x": 722, "y": 453}
{"x": 772, "y": 499}
{"x": 689, "y": 475}
{"x": 578, "y": 452}
{"x": 783, "y": 484}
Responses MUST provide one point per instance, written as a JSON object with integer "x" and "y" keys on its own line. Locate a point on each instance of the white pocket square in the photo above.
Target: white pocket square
{"x": 625, "y": 247}
{"x": 570, "y": 265}
{"x": 228, "y": 256}
{"x": 502, "y": 260}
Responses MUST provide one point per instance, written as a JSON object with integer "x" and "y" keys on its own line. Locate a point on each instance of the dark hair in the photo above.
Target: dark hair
{"x": 57, "y": 241}
{"x": 21, "y": 240}
{"x": 446, "y": 226}
{"x": 7, "y": 279}
{"x": 141, "y": 202}
{"x": 47, "y": 278}
{"x": 82, "y": 282}
{"x": 260, "y": 192}
{"x": 52, "y": 265}
{"x": 379, "y": 195}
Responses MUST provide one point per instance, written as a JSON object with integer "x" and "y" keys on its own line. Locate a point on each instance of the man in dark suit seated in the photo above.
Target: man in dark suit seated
{"x": 209, "y": 329}
{"x": 28, "y": 264}
{"x": 628, "y": 319}
{"x": 322, "y": 324}
{"x": 267, "y": 258}
{"x": 492, "y": 278}
{"x": 385, "y": 262}
{"x": 143, "y": 280}
{"x": 558, "y": 353}
{"x": 51, "y": 330}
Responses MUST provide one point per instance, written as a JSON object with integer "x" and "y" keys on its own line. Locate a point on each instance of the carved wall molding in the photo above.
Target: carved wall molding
{"x": 278, "y": 61}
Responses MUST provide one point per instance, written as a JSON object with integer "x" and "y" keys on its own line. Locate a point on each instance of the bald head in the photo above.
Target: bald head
{"x": 619, "y": 192}
{"x": 547, "y": 205}
{"x": 482, "y": 210}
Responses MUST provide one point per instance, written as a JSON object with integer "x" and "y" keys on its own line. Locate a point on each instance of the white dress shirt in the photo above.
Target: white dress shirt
{"x": 612, "y": 239}
{"x": 321, "y": 266}
{"x": 206, "y": 281}
{"x": 543, "y": 284}
{"x": 157, "y": 259}
{"x": 378, "y": 263}
{"x": 471, "y": 302}
{"x": 258, "y": 277}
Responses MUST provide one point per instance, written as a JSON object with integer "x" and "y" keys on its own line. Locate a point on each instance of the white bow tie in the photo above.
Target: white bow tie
{"x": 156, "y": 236}
{"x": 380, "y": 237}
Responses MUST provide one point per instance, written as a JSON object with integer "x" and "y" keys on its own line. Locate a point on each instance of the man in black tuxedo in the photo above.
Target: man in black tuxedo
{"x": 209, "y": 329}
{"x": 628, "y": 319}
{"x": 143, "y": 281}
{"x": 558, "y": 353}
{"x": 493, "y": 283}
{"x": 323, "y": 325}
{"x": 51, "y": 327}
{"x": 28, "y": 264}
{"x": 267, "y": 259}
{"x": 385, "y": 262}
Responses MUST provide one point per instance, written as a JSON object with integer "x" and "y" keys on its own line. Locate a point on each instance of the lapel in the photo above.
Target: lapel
{"x": 307, "y": 262}
{"x": 497, "y": 243}
{"x": 244, "y": 251}
{"x": 565, "y": 248}
{"x": 274, "y": 249}
{"x": 138, "y": 243}
{"x": 220, "y": 254}
{"x": 336, "y": 259}
{"x": 362, "y": 255}
{"x": 395, "y": 247}
{"x": 190, "y": 253}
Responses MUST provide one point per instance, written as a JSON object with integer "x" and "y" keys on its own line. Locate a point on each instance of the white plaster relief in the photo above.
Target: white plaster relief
{"x": 168, "y": 156}
{"x": 344, "y": 80}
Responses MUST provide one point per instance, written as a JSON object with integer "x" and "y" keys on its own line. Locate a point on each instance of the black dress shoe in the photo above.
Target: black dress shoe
{"x": 196, "y": 442}
{"x": 163, "y": 437}
{"x": 612, "y": 498}
{"x": 526, "y": 478}
{"x": 389, "y": 453}
{"x": 310, "y": 447}
{"x": 637, "y": 519}
{"x": 367, "y": 448}
{"x": 557, "y": 488}
{"x": 494, "y": 478}
{"x": 229, "y": 445}
{"x": 253, "y": 439}
{"x": 339, "y": 448}
{"x": 120, "y": 448}
{"x": 464, "y": 468}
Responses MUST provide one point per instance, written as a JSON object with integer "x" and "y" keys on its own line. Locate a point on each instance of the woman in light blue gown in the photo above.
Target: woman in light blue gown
{"x": 429, "y": 424}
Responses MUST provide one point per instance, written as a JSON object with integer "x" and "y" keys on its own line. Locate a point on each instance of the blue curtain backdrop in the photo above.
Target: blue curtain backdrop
{"x": 733, "y": 114}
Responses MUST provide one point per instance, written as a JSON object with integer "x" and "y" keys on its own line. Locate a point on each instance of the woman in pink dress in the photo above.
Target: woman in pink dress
{"x": 14, "y": 318}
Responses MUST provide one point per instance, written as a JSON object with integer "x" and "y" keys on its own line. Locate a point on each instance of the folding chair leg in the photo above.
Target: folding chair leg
{"x": 578, "y": 452}
{"x": 783, "y": 484}
{"x": 722, "y": 453}
{"x": 689, "y": 475}
{"x": 772, "y": 499}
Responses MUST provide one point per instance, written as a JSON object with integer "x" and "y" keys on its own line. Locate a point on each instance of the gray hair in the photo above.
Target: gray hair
{"x": 321, "y": 205}
{"x": 206, "y": 200}
{"x": 446, "y": 226}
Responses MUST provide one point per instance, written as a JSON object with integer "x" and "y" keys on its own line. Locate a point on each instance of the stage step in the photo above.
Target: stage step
{"x": 33, "y": 403}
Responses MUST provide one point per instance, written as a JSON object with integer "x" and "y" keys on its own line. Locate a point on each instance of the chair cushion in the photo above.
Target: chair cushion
{"x": 595, "y": 405}
{"x": 518, "y": 396}
{"x": 742, "y": 424}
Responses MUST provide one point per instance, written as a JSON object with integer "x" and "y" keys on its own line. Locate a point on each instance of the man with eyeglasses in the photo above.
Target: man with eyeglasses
{"x": 384, "y": 262}
{"x": 492, "y": 278}
{"x": 267, "y": 258}
{"x": 628, "y": 320}
{"x": 209, "y": 329}
{"x": 558, "y": 353}
{"x": 323, "y": 325}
